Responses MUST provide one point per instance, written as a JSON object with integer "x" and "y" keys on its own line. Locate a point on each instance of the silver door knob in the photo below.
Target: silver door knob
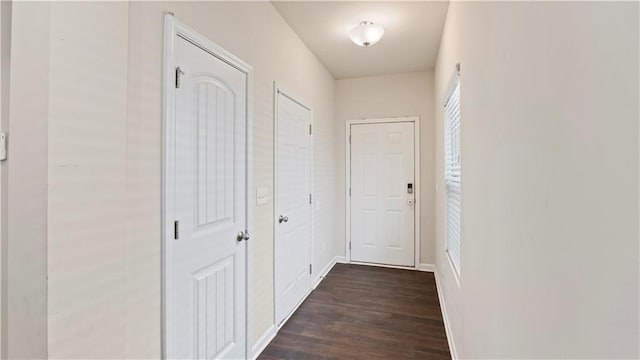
{"x": 243, "y": 235}
{"x": 283, "y": 218}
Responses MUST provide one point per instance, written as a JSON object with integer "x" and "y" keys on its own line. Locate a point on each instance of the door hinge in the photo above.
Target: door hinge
{"x": 176, "y": 230}
{"x": 179, "y": 72}
{"x": 309, "y": 198}
{"x": 310, "y": 269}
{"x": 349, "y": 191}
{"x": 309, "y": 129}
{"x": 349, "y": 138}
{"x": 3, "y": 146}
{"x": 349, "y": 245}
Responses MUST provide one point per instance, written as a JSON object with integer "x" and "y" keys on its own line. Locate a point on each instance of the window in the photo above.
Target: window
{"x": 452, "y": 173}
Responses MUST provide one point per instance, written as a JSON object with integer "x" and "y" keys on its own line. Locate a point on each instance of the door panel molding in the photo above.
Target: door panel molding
{"x": 278, "y": 89}
{"x": 173, "y": 29}
{"x": 417, "y": 184}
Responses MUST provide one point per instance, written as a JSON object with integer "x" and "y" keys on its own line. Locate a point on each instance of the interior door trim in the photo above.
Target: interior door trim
{"x": 279, "y": 89}
{"x": 416, "y": 158}
{"x": 172, "y": 29}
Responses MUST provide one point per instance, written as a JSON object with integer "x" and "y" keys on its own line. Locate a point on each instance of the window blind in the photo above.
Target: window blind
{"x": 452, "y": 175}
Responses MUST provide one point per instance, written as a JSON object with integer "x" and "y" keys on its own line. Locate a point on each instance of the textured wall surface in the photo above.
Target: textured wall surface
{"x": 549, "y": 147}
{"x": 25, "y": 271}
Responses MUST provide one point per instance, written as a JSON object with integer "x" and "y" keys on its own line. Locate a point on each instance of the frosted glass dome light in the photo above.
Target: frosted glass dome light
{"x": 366, "y": 34}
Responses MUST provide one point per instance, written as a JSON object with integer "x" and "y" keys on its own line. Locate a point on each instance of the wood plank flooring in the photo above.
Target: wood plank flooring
{"x": 364, "y": 312}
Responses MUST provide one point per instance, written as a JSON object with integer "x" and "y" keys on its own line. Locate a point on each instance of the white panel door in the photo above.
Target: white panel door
{"x": 382, "y": 207}
{"x": 206, "y": 276}
{"x": 293, "y": 208}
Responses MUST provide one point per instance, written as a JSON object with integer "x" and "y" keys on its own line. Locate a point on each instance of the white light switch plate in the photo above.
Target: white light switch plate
{"x": 262, "y": 195}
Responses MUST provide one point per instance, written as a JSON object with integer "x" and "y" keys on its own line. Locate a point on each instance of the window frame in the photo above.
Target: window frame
{"x": 452, "y": 137}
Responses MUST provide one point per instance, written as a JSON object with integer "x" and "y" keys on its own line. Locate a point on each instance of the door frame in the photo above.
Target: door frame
{"x": 172, "y": 28}
{"x": 279, "y": 89}
{"x": 417, "y": 202}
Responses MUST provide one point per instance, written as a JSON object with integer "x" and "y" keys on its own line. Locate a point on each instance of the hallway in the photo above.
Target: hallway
{"x": 207, "y": 179}
{"x": 368, "y": 313}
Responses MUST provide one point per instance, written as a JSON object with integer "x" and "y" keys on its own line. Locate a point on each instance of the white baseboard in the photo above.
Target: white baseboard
{"x": 445, "y": 318}
{"x": 325, "y": 271}
{"x": 427, "y": 268}
{"x": 341, "y": 260}
{"x": 264, "y": 340}
{"x": 420, "y": 267}
{"x": 383, "y": 265}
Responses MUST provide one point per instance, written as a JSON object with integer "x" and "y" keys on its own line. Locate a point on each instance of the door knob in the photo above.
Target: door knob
{"x": 283, "y": 218}
{"x": 243, "y": 235}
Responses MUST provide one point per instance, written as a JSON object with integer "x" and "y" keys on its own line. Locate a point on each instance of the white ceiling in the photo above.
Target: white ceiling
{"x": 410, "y": 42}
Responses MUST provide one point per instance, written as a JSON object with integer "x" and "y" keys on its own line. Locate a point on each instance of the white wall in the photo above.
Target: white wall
{"x": 405, "y": 94}
{"x": 26, "y": 266}
{"x": 549, "y": 179}
{"x": 89, "y": 265}
{"x": 5, "y": 51}
{"x": 95, "y": 94}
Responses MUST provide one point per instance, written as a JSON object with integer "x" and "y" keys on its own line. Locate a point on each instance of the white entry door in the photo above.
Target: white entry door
{"x": 382, "y": 193}
{"x": 206, "y": 263}
{"x": 293, "y": 205}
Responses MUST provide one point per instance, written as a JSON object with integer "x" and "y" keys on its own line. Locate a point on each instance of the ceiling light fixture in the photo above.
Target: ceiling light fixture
{"x": 366, "y": 34}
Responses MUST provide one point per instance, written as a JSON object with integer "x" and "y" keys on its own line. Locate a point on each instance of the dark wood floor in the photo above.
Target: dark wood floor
{"x": 364, "y": 312}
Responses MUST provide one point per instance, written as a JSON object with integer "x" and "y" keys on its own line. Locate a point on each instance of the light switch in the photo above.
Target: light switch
{"x": 262, "y": 195}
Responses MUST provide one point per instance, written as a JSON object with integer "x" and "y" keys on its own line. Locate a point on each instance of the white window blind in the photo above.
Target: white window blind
{"x": 452, "y": 174}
